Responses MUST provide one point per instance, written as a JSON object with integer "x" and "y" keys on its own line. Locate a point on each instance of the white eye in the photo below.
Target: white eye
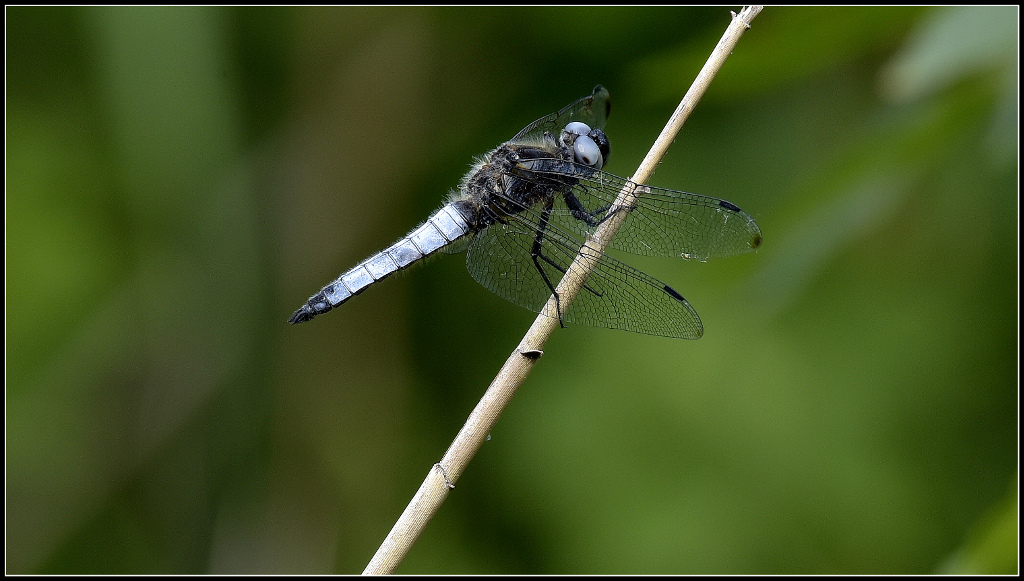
{"x": 587, "y": 151}
{"x": 577, "y": 128}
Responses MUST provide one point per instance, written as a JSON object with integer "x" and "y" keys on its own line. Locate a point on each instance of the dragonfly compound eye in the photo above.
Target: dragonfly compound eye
{"x": 577, "y": 128}
{"x": 587, "y": 152}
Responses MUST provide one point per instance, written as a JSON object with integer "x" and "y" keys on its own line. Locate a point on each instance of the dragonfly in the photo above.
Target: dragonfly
{"x": 524, "y": 211}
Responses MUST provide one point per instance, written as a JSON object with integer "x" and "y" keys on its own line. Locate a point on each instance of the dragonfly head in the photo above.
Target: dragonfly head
{"x": 590, "y": 147}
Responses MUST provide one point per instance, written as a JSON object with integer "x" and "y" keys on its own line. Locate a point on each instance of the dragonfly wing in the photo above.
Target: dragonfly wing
{"x": 663, "y": 222}
{"x": 592, "y": 110}
{"x": 615, "y": 295}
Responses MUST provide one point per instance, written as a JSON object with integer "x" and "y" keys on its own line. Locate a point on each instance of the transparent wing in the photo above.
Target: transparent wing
{"x": 615, "y": 295}
{"x": 663, "y": 222}
{"x": 592, "y": 110}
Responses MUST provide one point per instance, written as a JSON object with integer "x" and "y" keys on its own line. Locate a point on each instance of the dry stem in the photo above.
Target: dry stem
{"x": 443, "y": 475}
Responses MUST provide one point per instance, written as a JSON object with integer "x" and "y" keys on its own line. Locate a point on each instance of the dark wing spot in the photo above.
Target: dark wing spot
{"x": 729, "y": 206}
{"x": 672, "y": 292}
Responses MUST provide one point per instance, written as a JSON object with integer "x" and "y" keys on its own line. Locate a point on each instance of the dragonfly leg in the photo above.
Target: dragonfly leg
{"x": 591, "y": 218}
{"x": 537, "y": 255}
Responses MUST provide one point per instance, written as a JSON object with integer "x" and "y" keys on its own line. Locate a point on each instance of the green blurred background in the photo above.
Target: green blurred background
{"x": 179, "y": 180}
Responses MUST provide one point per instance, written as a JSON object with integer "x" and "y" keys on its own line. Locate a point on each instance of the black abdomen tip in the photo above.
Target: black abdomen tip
{"x": 302, "y": 315}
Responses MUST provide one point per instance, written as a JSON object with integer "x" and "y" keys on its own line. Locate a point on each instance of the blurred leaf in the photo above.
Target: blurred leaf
{"x": 816, "y": 38}
{"x": 949, "y": 44}
{"x": 993, "y": 546}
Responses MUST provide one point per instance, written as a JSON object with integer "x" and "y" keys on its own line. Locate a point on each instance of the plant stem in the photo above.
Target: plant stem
{"x": 442, "y": 476}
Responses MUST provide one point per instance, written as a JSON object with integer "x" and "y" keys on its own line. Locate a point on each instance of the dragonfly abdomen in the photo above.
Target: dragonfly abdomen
{"x": 446, "y": 226}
